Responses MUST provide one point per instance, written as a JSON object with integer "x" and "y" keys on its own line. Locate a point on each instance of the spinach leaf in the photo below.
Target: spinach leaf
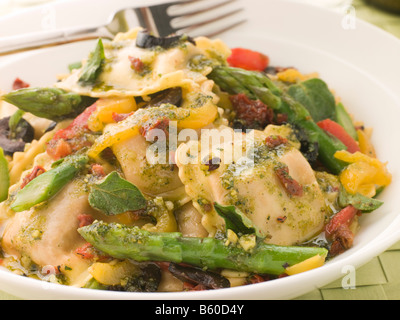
{"x": 94, "y": 65}
{"x": 115, "y": 195}
{"x": 74, "y": 65}
{"x": 236, "y": 220}
{"x": 358, "y": 201}
{"x": 315, "y": 95}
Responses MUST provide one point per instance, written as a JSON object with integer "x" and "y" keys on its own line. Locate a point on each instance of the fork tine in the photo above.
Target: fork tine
{"x": 200, "y": 11}
{"x": 190, "y": 27}
{"x": 224, "y": 29}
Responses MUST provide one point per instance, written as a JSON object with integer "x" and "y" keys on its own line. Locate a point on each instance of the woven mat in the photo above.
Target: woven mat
{"x": 380, "y": 278}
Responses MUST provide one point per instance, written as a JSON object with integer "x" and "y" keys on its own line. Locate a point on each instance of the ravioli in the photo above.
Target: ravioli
{"x": 166, "y": 68}
{"x": 246, "y": 179}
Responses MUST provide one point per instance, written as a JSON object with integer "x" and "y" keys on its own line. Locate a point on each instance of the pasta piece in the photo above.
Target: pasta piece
{"x": 254, "y": 187}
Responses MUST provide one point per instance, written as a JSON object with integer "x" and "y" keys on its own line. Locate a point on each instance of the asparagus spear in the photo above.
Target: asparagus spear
{"x": 123, "y": 242}
{"x": 50, "y": 103}
{"x": 48, "y": 184}
{"x": 258, "y": 86}
{"x": 4, "y": 177}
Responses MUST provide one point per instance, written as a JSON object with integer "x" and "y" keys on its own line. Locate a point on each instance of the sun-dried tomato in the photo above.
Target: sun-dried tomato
{"x": 159, "y": 124}
{"x": 88, "y": 252}
{"x": 343, "y": 239}
{"x": 97, "y": 170}
{"x": 338, "y": 230}
{"x": 37, "y": 171}
{"x": 85, "y": 220}
{"x": 251, "y": 114}
{"x": 19, "y": 84}
{"x": 275, "y": 141}
{"x": 292, "y": 186}
{"x": 136, "y": 64}
{"x": 118, "y": 117}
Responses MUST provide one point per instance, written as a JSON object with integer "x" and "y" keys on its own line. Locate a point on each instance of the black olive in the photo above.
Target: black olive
{"x": 51, "y": 126}
{"x": 169, "y": 96}
{"x": 15, "y": 141}
{"x": 145, "y": 40}
{"x": 193, "y": 275}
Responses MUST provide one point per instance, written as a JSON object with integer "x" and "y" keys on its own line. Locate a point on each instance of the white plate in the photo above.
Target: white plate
{"x": 360, "y": 64}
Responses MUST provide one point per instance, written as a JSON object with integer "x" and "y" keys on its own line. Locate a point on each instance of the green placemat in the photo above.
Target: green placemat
{"x": 380, "y": 278}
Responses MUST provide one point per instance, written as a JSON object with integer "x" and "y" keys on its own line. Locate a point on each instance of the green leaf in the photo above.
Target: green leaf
{"x": 115, "y": 195}
{"x": 358, "y": 201}
{"x": 75, "y": 65}
{"x": 236, "y": 220}
{"x": 315, "y": 95}
{"x": 94, "y": 65}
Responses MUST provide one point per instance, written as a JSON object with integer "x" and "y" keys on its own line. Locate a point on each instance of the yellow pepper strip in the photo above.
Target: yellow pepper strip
{"x": 363, "y": 173}
{"x": 112, "y": 273}
{"x": 105, "y": 109}
{"x": 365, "y": 144}
{"x": 293, "y": 76}
{"x": 193, "y": 118}
{"x": 306, "y": 265}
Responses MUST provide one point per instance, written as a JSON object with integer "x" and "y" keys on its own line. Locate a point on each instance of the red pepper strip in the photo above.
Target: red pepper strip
{"x": 339, "y": 132}
{"x": 342, "y": 218}
{"x": 248, "y": 59}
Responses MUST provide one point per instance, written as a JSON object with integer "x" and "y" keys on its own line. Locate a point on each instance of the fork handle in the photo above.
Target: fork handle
{"x": 35, "y": 40}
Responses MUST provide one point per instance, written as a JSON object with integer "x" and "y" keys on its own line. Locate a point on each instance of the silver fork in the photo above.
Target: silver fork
{"x": 159, "y": 19}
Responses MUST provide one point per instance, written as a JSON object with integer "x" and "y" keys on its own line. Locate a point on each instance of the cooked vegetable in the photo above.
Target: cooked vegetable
{"x": 4, "y": 177}
{"x": 358, "y": 201}
{"x": 107, "y": 110}
{"x": 49, "y": 103}
{"x": 236, "y": 221}
{"x": 114, "y": 195}
{"x": 344, "y": 119}
{"x": 14, "y": 122}
{"x": 365, "y": 143}
{"x": 125, "y": 242}
{"x": 306, "y": 265}
{"x": 197, "y": 276}
{"x": 258, "y": 86}
{"x": 342, "y": 218}
{"x": 48, "y": 184}
{"x": 169, "y": 96}
{"x": 315, "y": 95}
{"x": 363, "y": 174}
{"x": 114, "y": 272}
{"x": 339, "y": 132}
{"x": 146, "y": 280}
{"x": 146, "y": 40}
{"x": 93, "y": 66}
{"x": 14, "y": 139}
{"x": 248, "y": 59}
